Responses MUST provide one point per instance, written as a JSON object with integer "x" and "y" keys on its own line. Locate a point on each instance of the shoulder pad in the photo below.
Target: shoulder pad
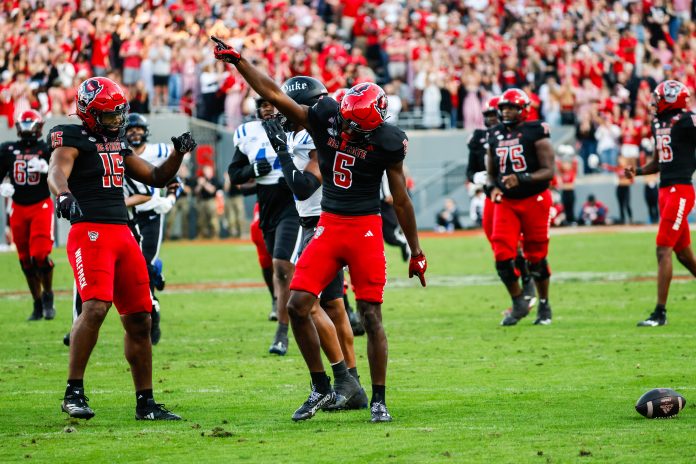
{"x": 537, "y": 129}
{"x": 390, "y": 138}
{"x": 323, "y": 113}
{"x": 67, "y": 135}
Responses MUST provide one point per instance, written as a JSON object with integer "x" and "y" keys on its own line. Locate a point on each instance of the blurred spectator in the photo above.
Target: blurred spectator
{"x": 607, "y": 135}
{"x": 557, "y": 213}
{"x": 393, "y": 104}
{"x": 585, "y": 135}
{"x": 476, "y": 207}
{"x": 623, "y": 190}
{"x": 131, "y": 52}
{"x": 594, "y": 212}
{"x": 650, "y": 194}
{"x": 567, "y": 168}
{"x": 205, "y": 191}
{"x": 160, "y": 55}
{"x": 447, "y": 218}
{"x": 140, "y": 99}
{"x": 234, "y": 219}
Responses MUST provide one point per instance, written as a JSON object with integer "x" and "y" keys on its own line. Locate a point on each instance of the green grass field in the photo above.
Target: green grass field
{"x": 460, "y": 387}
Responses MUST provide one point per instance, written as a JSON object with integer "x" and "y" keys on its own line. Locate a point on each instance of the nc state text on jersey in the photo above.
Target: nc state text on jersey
{"x": 109, "y": 146}
{"x": 355, "y": 151}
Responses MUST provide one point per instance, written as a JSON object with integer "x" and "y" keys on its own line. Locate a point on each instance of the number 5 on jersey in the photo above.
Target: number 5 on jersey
{"x": 113, "y": 169}
{"x": 514, "y": 154}
{"x": 342, "y": 176}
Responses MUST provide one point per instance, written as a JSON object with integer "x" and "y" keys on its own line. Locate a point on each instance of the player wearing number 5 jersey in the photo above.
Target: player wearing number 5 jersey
{"x": 255, "y": 158}
{"x": 86, "y": 173}
{"x": 674, "y": 132}
{"x": 355, "y": 147}
{"x": 520, "y": 165}
{"x": 31, "y": 214}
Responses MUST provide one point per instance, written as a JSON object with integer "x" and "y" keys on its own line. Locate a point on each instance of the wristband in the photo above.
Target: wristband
{"x": 524, "y": 177}
{"x": 639, "y": 171}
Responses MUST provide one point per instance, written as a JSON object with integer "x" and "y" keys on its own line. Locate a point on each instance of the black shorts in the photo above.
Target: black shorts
{"x": 160, "y": 80}
{"x": 283, "y": 240}
{"x": 335, "y": 288}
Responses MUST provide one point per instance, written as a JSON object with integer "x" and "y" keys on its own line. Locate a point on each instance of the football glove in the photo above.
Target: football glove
{"x": 224, "y": 52}
{"x": 276, "y": 134}
{"x": 480, "y": 178}
{"x": 7, "y": 190}
{"x": 67, "y": 207}
{"x": 184, "y": 143}
{"x": 261, "y": 168}
{"x": 164, "y": 205}
{"x": 417, "y": 266}
{"x": 37, "y": 165}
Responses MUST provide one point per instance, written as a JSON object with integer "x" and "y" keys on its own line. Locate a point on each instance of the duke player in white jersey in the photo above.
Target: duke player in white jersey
{"x": 255, "y": 158}
{"x": 300, "y": 168}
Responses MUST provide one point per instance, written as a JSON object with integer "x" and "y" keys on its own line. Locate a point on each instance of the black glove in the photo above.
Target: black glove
{"x": 276, "y": 134}
{"x": 224, "y": 52}
{"x": 261, "y": 168}
{"x": 67, "y": 207}
{"x": 184, "y": 143}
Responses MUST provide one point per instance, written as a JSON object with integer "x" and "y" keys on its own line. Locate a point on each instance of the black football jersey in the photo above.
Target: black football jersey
{"x": 96, "y": 179}
{"x": 30, "y": 187}
{"x": 478, "y": 145}
{"x": 352, "y": 176}
{"x": 675, "y": 143}
{"x": 515, "y": 152}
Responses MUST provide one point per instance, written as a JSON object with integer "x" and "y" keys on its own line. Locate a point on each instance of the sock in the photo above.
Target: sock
{"x": 339, "y": 369}
{"x": 141, "y": 397}
{"x": 378, "y": 394}
{"x": 321, "y": 382}
{"x": 282, "y": 331}
{"x": 354, "y": 372}
{"x": 660, "y": 308}
{"x": 74, "y": 384}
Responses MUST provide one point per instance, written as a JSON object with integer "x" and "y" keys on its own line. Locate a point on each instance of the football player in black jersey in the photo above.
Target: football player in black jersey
{"x": 674, "y": 157}
{"x": 355, "y": 147}
{"x": 31, "y": 217}
{"x": 521, "y": 165}
{"x": 86, "y": 173}
{"x": 477, "y": 175}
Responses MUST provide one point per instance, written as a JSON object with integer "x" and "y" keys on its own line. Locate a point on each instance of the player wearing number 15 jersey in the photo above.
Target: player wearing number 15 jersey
{"x": 674, "y": 132}
{"x": 521, "y": 164}
{"x": 86, "y": 172}
{"x": 31, "y": 214}
{"x": 355, "y": 147}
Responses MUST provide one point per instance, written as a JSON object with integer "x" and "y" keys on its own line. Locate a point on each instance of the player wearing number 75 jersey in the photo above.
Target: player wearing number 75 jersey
{"x": 86, "y": 173}
{"x": 355, "y": 146}
{"x": 674, "y": 131}
{"x": 520, "y": 166}
{"x": 31, "y": 214}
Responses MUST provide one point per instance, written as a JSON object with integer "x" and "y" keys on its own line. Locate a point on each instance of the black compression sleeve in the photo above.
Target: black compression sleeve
{"x": 240, "y": 171}
{"x": 302, "y": 184}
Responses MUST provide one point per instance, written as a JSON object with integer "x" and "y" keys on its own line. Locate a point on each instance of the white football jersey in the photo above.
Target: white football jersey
{"x": 252, "y": 140}
{"x": 155, "y": 154}
{"x": 300, "y": 144}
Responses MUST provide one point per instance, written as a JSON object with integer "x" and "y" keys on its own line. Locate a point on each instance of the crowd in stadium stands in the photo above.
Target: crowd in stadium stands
{"x": 584, "y": 63}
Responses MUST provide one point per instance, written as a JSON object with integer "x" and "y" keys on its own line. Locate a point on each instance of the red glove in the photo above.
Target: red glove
{"x": 224, "y": 52}
{"x": 417, "y": 266}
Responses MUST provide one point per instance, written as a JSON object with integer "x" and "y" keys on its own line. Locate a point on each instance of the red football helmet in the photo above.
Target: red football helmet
{"x": 491, "y": 106}
{"x": 102, "y": 106}
{"x": 364, "y": 108}
{"x": 670, "y": 95}
{"x": 29, "y": 124}
{"x": 339, "y": 94}
{"x": 518, "y": 99}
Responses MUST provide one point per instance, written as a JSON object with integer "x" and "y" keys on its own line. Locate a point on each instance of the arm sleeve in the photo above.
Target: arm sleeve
{"x": 240, "y": 171}
{"x": 302, "y": 184}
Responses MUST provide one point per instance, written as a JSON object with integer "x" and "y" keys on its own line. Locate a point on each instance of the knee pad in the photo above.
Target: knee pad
{"x": 540, "y": 270}
{"x": 28, "y": 268}
{"x": 507, "y": 271}
{"x": 43, "y": 265}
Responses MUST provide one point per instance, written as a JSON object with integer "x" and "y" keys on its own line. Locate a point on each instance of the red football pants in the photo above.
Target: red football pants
{"x": 675, "y": 202}
{"x": 529, "y": 216}
{"x": 32, "y": 230}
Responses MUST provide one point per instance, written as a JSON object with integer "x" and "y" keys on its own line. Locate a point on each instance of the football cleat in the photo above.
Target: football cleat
{"x": 315, "y": 402}
{"x": 37, "y": 313}
{"x": 76, "y": 405}
{"x": 66, "y": 339}
{"x": 518, "y": 312}
{"x": 49, "y": 311}
{"x": 345, "y": 389}
{"x": 358, "y": 401}
{"x": 155, "y": 331}
{"x": 356, "y": 324}
{"x": 543, "y": 314}
{"x": 379, "y": 413}
{"x": 159, "y": 280}
{"x": 279, "y": 347}
{"x": 273, "y": 315}
{"x": 657, "y": 318}
{"x": 529, "y": 292}
{"x": 154, "y": 411}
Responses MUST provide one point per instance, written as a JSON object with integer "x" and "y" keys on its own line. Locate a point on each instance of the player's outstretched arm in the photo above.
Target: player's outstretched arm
{"x": 407, "y": 220}
{"x": 651, "y": 167}
{"x": 159, "y": 176}
{"x": 262, "y": 84}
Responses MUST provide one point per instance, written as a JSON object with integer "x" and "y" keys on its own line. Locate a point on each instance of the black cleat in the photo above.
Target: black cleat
{"x": 315, "y": 402}
{"x": 379, "y": 413}
{"x": 37, "y": 314}
{"x": 154, "y": 411}
{"x": 49, "y": 310}
{"x": 529, "y": 292}
{"x": 657, "y": 318}
{"x": 543, "y": 314}
{"x": 76, "y": 405}
{"x": 405, "y": 252}
{"x": 358, "y": 401}
{"x": 280, "y": 345}
{"x": 356, "y": 324}
{"x": 345, "y": 389}
{"x": 66, "y": 339}
{"x": 155, "y": 331}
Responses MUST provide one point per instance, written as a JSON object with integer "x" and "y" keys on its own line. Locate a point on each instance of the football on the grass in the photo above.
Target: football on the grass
{"x": 660, "y": 402}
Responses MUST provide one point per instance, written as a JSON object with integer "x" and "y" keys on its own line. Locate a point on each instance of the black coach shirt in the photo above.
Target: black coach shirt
{"x": 96, "y": 179}
{"x": 675, "y": 143}
{"x": 352, "y": 176}
{"x": 514, "y": 150}
{"x": 30, "y": 187}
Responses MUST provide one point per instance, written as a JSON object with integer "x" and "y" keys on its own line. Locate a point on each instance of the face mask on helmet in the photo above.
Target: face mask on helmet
{"x": 351, "y": 131}
{"x": 113, "y": 122}
{"x": 136, "y": 135}
{"x": 511, "y": 115}
{"x": 29, "y": 129}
